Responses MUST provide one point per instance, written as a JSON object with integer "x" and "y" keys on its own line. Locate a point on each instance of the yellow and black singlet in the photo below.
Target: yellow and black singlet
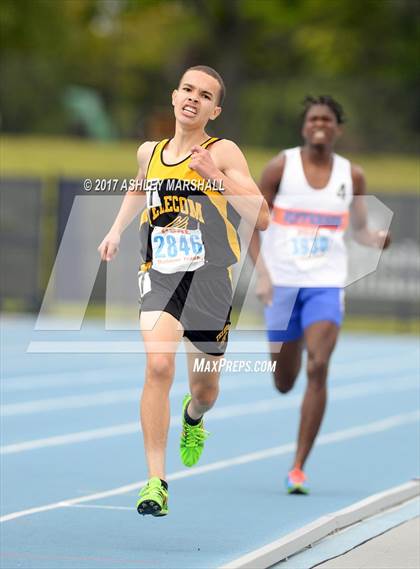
{"x": 187, "y": 222}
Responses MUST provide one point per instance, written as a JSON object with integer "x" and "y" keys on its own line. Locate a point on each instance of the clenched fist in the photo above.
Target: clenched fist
{"x": 202, "y": 163}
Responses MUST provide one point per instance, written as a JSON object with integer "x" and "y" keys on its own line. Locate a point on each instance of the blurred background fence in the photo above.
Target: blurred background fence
{"x": 31, "y": 236}
{"x": 84, "y": 81}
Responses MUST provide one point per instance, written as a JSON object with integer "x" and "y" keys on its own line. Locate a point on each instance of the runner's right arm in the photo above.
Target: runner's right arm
{"x": 270, "y": 180}
{"x": 131, "y": 206}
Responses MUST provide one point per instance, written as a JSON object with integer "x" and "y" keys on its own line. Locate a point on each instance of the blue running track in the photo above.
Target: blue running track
{"x": 72, "y": 456}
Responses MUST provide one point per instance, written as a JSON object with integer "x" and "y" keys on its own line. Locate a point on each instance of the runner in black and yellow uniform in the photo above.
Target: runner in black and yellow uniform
{"x": 198, "y": 189}
{"x": 189, "y": 239}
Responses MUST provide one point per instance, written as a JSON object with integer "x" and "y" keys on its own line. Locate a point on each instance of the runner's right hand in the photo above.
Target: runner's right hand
{"x": 109, "y": 246}
{"x": 264, "y": 288}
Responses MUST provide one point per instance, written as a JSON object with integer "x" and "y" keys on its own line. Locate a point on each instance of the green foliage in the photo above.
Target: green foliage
{"x": 270, "y": 52}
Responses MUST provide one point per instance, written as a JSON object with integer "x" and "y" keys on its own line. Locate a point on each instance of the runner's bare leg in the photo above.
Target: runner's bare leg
{"x": 160, "y": 369}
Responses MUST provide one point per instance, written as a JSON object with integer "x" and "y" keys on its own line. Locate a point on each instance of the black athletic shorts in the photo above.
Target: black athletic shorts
{"x": 200, "y": 300}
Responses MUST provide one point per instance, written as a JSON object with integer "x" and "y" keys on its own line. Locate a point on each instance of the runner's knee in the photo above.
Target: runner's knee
{"x": 317, "y": 368}
{"x": 160, "y": 367}
{"x": 205, "y": 396}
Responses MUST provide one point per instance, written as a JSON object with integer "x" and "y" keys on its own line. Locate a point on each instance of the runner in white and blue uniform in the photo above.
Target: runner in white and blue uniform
{"x": 303, "y": 266}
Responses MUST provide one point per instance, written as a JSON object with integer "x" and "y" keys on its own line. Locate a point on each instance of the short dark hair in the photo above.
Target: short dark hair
{"x": 309, "y": 101}
{"x": 213, "y": 73}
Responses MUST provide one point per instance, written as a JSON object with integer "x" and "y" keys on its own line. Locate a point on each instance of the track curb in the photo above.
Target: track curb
{"x": 296, "y": 541}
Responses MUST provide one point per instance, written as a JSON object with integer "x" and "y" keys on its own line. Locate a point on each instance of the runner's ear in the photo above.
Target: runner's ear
{"x": 216, "y": 112}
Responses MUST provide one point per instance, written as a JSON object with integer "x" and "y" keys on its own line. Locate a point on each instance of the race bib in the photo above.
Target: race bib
{"x": 177, "y": 250}
{"x": 308, "y": 249}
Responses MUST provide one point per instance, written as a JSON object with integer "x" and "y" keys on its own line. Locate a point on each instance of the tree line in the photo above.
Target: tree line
{"x": 72, "y": 63}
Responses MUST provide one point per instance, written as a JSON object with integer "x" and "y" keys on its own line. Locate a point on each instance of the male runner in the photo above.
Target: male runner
{"x": 189, "y": 240}
{"x": 310, "y": 191}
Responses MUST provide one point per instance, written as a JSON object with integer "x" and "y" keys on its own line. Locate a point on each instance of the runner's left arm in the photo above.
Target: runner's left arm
{"x": 226, "y": 163}
{"x": 359, "y": 215}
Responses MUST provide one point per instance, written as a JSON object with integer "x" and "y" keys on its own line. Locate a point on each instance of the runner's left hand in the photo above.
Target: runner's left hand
{"x": 202, "y": 163}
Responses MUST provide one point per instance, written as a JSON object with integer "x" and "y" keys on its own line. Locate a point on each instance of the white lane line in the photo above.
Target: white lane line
{"x": 328, "y": 438}
{"x": 59, "y": 379}
{"x": 69, "y": 379}
{"x": 118, "y": 396}
{"x": 100, "y": 398}
{"x": 342, "y": 392}
{"x": 99, "y": 507}
{"x": 71, "y": 438}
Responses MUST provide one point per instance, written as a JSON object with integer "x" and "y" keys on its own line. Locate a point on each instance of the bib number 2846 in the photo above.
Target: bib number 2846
{"x": 177, "y": 250}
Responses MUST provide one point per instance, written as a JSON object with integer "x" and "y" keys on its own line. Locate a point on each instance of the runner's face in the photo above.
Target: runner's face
{"x": 195, "y": 101}
{"x": 320, "y": 127}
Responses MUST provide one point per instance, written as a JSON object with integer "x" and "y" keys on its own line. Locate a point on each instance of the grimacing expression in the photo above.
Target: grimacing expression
{"x": 320, "y": 126}
{"x": 197, "y": 98}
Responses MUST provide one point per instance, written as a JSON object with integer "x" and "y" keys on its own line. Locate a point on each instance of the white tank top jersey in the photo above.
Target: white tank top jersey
{"x": 304, "y": 243}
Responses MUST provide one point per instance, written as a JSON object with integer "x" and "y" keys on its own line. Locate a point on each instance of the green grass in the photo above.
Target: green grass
{"x": 369, "y": 324}
{"x": 381, "y": 325}
{"x": 352, "y": 324}
{"x": 51, "y": 156}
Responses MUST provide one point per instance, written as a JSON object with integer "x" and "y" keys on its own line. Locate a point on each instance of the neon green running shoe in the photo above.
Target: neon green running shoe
{"x": 153, "y": 499}
{"x": 192, "y": 438}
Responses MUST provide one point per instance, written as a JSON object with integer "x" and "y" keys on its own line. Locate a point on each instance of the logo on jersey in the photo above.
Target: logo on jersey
{"x": 222, "y": 336}
{"x": 178, "y": 204}
{"x": 303, "y": 218}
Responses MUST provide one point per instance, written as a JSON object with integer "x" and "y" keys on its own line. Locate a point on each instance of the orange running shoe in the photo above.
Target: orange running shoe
{"x": 296, "y": 482}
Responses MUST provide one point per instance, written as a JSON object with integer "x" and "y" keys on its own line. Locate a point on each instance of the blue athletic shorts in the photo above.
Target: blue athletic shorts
{"x": 294, "y": 309}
